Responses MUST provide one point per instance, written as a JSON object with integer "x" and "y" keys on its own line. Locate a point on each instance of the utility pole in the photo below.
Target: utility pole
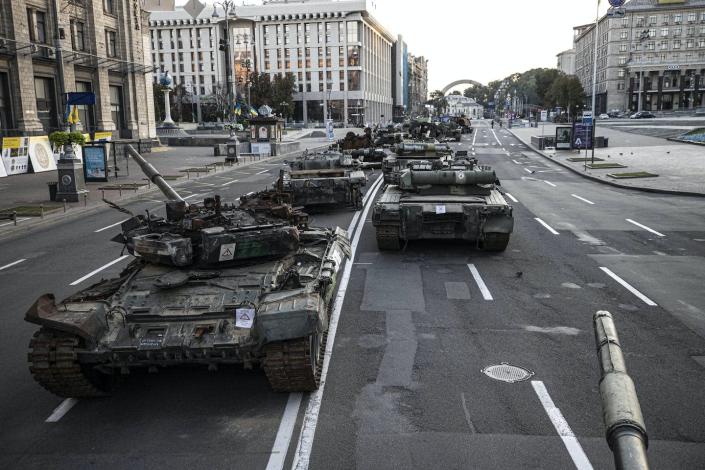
{"x": 594, "y": 81}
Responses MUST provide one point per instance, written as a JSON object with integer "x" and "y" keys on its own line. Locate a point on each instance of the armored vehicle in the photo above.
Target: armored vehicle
{"x": 324, "y": 179}
{"x": 458, "y": 202}
{"x": 408, "y": 152}
{"x": 370, "y": 155}
{"x": 354, "y": 142}
{"x": 210, "y": 284}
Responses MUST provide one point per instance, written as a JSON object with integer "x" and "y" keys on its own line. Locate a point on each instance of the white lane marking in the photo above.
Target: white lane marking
{"x": 302, "y": 455}
{"x": 263, "y": 171}
{"x": 495, "y": 136}
{"x": 14, "y": 263}
{"x": 629, "y": 287}
{"x": 110, "y": 226}
{"x": 229, "y": 183}
{"x": 286, "y": 430}
{"x": 549, "y": 183}
{"x": 548, "y": 227}
{"x": 474, "y": 136}
{"x": 480, "y": 283}
{"x": 189, "y": 197}
{"x": 645, "y": 228}
{"x": 93, "y": 273}
{"x": 511, "y": 197}
{"x": 571, "y": 443}
{"x": 518, "y": 163}
{"x": 18, "y": 221}
{"x": 61, "y": 410}
{"x": 528, "y": 170}
{"x": 583, "y": 199}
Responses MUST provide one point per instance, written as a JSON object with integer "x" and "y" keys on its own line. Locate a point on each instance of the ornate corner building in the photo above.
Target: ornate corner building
{"x": 51, "y": 47}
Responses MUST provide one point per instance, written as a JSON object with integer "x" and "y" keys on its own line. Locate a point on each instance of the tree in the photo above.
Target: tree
{"x": 260, "y": 90}
{"x": 479, "y": 93}
{"x": 282, "y": 100}
{"x": 438, "y": 100}
{"x": 566, "y": 92}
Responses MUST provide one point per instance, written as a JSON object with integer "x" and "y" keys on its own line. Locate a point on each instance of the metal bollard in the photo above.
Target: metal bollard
{"x": 64, "y": 200}
{"x": 85, "y": 200}
{"x": 621, "y": 412}
{"x": 14, "y": 217}
{"x": 41, "y": 211}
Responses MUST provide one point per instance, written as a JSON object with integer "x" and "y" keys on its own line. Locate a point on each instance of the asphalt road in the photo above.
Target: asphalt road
{"x": 404, "y": 387}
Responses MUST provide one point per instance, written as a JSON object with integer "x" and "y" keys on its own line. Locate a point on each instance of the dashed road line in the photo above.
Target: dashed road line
{"x": 511, "y": 197}
{"x": 480, "y": 283}
{"x": 548, "y": 227}
{"x": 571, "y": 443}
{"x": 93, "y": 273}
{"x": 286, "y": 430}
{"x": 22, "y": 219}
{"x": 583, "y": 199}
{"x": 645, "y": 228}
{"x": 261, "y": 172}
{"x": 191, "y": 196}
{"x": 61, "y": 410}
{"x": 229, "y": 183}
{"x": 629, "y": 287}
{"x": 14, "y": 263}
{"x": 549, "y": 183}
{"x": 110, "y": 226}
{"x": 528, "y": 170}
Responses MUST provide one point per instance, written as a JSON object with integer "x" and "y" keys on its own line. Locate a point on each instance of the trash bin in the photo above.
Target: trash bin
{"x": 53, "y": 187}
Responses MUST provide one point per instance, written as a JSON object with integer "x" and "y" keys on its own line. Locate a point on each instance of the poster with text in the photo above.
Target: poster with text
{"x": 41, "y": 154}
{"x": 15, "y": 158}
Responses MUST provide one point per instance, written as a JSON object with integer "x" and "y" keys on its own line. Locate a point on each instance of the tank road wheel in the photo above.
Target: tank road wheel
{"x": 53, "y": 363}
{"x": 294, "y": 365}
{"x": 495, "y": 241}
{"x": 388, "y": 238}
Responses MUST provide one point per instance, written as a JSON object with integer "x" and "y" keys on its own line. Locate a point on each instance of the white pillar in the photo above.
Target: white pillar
{"x": 167, "y": 110}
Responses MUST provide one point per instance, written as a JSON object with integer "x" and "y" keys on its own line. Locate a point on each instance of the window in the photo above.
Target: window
{"x": 341, "y": 32}
{"x": 639, "y": 21}
{"x": 36, "y": 20}
{"x": 664, "y": 19}
{"x": 84, "y": 113}
{"x": 622, "y": 60}
{"x": 620, "y": 86}
{"x": 621, "y": 73}
{"x": 701, "y": 42}
{"x": 663, "y": 45}
{"x": 78, "y": 41}
{"x": 691, "y": 31}
{"x": 622, "y": 48}
{"x": 677, "y": 31}
{"x": 692, "y": 17}
{"x": 353, "y": 80}
{"x": 623, "y": 35}
{"x": 652, "y": 32}
{"x": 6, "y": 120}
{"x": 46, "y": 102}
{"x": 109, "y": 6}
{"x": 320, "y": 57}
{"x": 353, "y": 31}
{"x": 677, "y": 44}
{"x": 690, "y": 43}
{"x": 353, "y": 56}
{"x": 677, "y": 18}
{"x": 111, "y": 43}
{"x": 116, "y": 106}
{"x": 664, "y": 32}
{"x": 652, "y": 20}
{"x": 625, "y": 22}
{"x": 650, "y": 46}
{"x": 341, "y": 56}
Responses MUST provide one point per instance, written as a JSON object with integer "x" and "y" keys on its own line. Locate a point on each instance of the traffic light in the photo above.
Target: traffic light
{"x": 223, "y": 44}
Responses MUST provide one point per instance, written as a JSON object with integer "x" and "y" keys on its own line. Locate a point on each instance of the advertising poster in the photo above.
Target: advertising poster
{"x": 262, "y": 148}
{"x": 330, "y": 132}
{"x": 263, "y": 134}
{"x": 563, "y": 138}
{"x": 15, "y": 157}
{"x": 582, "y": 136}
{"x": 95, "y": 163}
{"x": 41, "y": 154}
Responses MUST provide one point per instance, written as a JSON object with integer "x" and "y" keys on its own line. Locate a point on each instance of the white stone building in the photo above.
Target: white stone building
{"x": 565, "y": 62}
{"x": 459, "y": 105}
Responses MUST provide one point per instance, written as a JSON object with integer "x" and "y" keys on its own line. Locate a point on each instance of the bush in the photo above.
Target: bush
{"x": 61, "y": 138}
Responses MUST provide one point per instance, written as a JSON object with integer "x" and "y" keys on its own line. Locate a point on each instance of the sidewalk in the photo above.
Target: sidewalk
{"x": 680, "y": 167}
{"x": 29, "y": 191}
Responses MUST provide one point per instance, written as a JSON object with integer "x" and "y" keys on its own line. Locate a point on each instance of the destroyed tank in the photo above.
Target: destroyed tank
{"x": 408, "y": 152}
{"x": 460, "y": 201}
{"x": 210, "y": 284}
{"x": 324, "y": 179}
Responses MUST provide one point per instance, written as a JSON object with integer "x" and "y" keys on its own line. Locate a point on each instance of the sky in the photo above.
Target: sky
{"x": 482, "y": 40}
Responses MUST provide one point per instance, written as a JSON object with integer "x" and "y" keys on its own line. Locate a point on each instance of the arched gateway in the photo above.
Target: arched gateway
{"x": 460, "y": 82}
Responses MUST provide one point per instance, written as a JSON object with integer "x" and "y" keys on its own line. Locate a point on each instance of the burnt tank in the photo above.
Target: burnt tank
{"x": 408, "y": 152}
{"x": 324, "y": 179}
{"x": 459, "y": 201}
{"x": 209, "y": 284}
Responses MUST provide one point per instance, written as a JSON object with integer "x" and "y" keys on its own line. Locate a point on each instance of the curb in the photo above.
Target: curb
{"x": 52, "y": 219}
{"x": 680, "y": 141}
{"x": 610, "y": 183}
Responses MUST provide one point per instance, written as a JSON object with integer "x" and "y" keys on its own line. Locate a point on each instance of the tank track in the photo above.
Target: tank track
{"x": 495, "y": 242}
{"x": 388, "y": 238}
{"x": 288, "y": 365}
{"x": 54, "y": 365}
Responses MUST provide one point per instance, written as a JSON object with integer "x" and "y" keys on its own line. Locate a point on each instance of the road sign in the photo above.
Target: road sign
{"x": 587, "y": 117}
{"x": 544, "y": 116}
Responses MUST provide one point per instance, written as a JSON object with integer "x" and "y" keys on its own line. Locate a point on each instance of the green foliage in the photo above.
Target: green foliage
{"x": 61, "y": 138}
{"x": 260, "y": 90}
{"x": 283, "y": 94}
{"x": 567, "y": 92}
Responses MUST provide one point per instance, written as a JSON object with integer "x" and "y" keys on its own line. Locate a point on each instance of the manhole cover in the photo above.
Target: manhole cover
{"x": 507, "y": 373}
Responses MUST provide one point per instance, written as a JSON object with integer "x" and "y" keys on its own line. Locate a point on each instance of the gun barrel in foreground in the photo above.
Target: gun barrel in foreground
{"x": 154, "y": 176}
{"x": 624, "y": 423}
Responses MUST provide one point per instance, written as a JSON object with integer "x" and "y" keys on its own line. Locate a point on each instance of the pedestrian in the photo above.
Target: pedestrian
{"x": 492, "y": 123}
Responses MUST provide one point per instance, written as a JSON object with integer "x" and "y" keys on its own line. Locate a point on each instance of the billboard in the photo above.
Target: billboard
{"x": 15, "y": 155}
{"x": 41, "y": 154}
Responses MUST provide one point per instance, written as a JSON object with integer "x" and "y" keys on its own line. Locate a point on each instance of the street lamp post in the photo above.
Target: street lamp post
{"x": 228, "y": 7}
{"x": 594, "y": 80}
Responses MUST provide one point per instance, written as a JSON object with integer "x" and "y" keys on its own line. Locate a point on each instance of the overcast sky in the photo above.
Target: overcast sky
{"x": 483, "y": 40}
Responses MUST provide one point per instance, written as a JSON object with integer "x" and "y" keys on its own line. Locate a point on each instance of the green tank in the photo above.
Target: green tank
{"x": 209, "y": 284}
{"x": 460, "y": 201}
{"x": 409, "y": 152}
{"x": 325, "y": 179}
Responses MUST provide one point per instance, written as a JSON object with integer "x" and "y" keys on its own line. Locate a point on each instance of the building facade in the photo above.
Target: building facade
{"x": 418, "y": 84}
{"x": 459, "y": 105}
{"x": 565, "y": 62}
{"x": 96, "y": 46}
{"x": 400, "y": 72}
{"x": 652, "y": 58}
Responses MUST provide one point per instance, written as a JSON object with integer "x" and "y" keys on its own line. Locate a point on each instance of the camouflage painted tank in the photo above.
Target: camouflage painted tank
{"x": 408, "y": 152}
{"x": 210, "y": 284}
{"x": 460, "y": 201}
{"x": 324, "y": 179}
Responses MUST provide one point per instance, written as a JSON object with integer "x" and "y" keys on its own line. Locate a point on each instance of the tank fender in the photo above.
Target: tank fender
{"x": 500, "y": 223}
{"x": 296, "y": 316}
{"x": 87, "y": 320}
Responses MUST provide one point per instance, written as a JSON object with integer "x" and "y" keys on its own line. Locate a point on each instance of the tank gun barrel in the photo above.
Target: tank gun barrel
{"x": 450, "y": 177}
{"x": 624, "y": 423}
{"x": 154, "y": 176}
